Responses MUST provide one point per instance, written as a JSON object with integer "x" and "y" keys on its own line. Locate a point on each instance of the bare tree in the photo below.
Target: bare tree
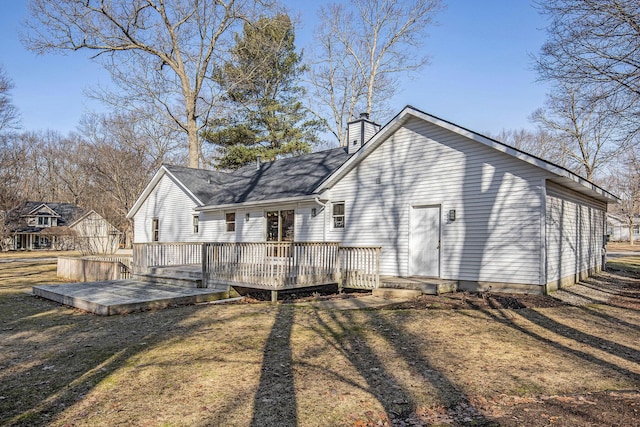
{"x": 122, "y": 153}
{"x": 626, "y": 183}
{"x": 595, "y": 44}
{"x": 588, "y": 135}
{"x": 159, "y": 52}
{"x": 539, "y": 143}
{"x": 361, "y": 50}
{"x": 9, "y": 117}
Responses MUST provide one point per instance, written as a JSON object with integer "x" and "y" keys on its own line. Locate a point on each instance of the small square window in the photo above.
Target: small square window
{"x": 230, "y": 219}
{"x": 338, "y": 215}
{"x": 196, "y": 224}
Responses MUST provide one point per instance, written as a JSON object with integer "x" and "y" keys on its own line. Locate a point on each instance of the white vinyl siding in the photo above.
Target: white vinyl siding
{"x": 574, "y": 233}
{"x": 213, "y": 227}
{"x": 310, "y": 228}
{"x": 174, "y": 210}
{"x": 498, "y": 200}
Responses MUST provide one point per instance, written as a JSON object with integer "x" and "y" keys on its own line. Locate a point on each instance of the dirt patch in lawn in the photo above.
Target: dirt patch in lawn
{"x": 318, "y": 293}
{"x": 477, "y": 301}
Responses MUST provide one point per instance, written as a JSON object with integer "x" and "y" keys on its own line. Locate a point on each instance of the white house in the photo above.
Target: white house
{"x": 442, "y": 201}
{"x": 618, "y": 228}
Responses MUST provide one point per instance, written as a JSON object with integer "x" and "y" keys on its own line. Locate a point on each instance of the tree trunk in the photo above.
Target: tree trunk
{"x": 194, "y": 141}
{"x": 631, "y": 232}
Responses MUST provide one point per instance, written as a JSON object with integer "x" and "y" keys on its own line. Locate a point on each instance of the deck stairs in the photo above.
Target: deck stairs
{"x": 407, "y": 287}
{"x": 188, "y": 275}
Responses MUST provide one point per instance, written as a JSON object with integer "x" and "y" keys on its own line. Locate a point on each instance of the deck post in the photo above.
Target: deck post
{"x": 274, "y": 296}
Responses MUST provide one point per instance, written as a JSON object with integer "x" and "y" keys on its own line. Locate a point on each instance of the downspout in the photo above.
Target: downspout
{"x": 324, "y": 219}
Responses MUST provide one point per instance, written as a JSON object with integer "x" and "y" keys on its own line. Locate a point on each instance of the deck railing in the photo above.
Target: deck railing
{"x": 147, "y": 255}
{"x": 278, "y": 266}
{"x": 360, "y": 267}
{"x": 267, "y": 265}
{"x": 272, "y": 266}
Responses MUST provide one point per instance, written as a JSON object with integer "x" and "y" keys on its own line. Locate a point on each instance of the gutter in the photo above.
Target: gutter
{"x": 307, "y": 198}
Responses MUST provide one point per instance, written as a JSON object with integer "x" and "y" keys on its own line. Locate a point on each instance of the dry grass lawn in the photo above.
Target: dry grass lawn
{"x": 36, "y": 254}
{"x": 278, "y": 365}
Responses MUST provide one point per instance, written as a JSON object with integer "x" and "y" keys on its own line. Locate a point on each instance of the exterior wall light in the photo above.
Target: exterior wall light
{"x": 246, "y": 216}
{"x": 314, "y": 212}
{"x": 452, "y": 215}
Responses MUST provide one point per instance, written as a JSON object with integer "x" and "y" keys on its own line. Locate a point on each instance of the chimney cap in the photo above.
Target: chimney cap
{"x": 364, "y": 116}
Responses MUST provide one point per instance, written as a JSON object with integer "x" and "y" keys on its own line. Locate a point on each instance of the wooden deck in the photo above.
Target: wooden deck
{"x": 270, "y": 266}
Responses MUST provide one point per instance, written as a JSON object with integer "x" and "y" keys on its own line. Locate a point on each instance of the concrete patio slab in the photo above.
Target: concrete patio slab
{"x": 125, "y": 296}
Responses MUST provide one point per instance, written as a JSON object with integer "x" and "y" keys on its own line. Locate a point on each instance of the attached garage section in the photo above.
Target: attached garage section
{"x": 574, "y": 234}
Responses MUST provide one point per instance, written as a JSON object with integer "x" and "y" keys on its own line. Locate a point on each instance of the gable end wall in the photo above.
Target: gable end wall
{"x": 174, "y": 210}
{"x": 496, "y": 236}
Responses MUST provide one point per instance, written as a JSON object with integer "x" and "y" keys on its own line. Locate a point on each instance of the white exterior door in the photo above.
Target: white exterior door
{"x": 424, "y": 241}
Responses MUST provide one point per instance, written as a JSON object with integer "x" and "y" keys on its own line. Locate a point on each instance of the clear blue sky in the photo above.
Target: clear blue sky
{"x": 480, "y": 75}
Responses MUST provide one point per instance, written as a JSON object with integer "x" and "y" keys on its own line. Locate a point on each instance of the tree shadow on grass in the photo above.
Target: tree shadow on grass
{"x": 612, "y": 319}
{"x": 275, "y": 399}
{"x": 381, "y": 382}
{"x": 452, "y": 397}
{"x": 57, "y": 355}
{"x": 555, "y": 327}
{"x": 608, "y": 346}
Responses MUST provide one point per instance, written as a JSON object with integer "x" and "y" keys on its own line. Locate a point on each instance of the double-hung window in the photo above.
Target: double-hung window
{"x": 338, "y": 215}
{"x": 155, "y": 231}
{"x": 196, "y": 224}
{"x": 230, "y": 219}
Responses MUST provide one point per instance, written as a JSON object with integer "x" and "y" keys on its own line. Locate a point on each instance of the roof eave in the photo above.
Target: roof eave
{"x": 259, "y": 203}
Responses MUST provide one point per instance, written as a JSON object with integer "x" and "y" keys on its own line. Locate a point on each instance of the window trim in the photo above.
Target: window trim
{"x": 155, "y": 230}
{"x": 335, "y": 216}
{"x": 280, "y": 234}
{"x": 230, "y": 224}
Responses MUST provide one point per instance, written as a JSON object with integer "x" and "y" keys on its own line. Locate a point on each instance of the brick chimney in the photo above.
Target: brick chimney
{"x": 360, "y": 131}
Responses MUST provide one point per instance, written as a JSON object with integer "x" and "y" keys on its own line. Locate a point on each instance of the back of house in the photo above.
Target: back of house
{"x": 440, "y": 200}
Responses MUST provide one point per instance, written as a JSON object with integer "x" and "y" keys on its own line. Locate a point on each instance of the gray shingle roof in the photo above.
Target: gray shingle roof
{"x": 15, "y": 218}
{"x": 283, "y": 178}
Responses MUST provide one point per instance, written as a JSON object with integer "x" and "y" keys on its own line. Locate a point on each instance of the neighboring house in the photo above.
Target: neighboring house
{"x": 442, "y": 201}
{"x": 618, "y": 228}
{"x": 95, "y": 235}
{"x": 41, "y": 225}
{"x": 45, "y": 225}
